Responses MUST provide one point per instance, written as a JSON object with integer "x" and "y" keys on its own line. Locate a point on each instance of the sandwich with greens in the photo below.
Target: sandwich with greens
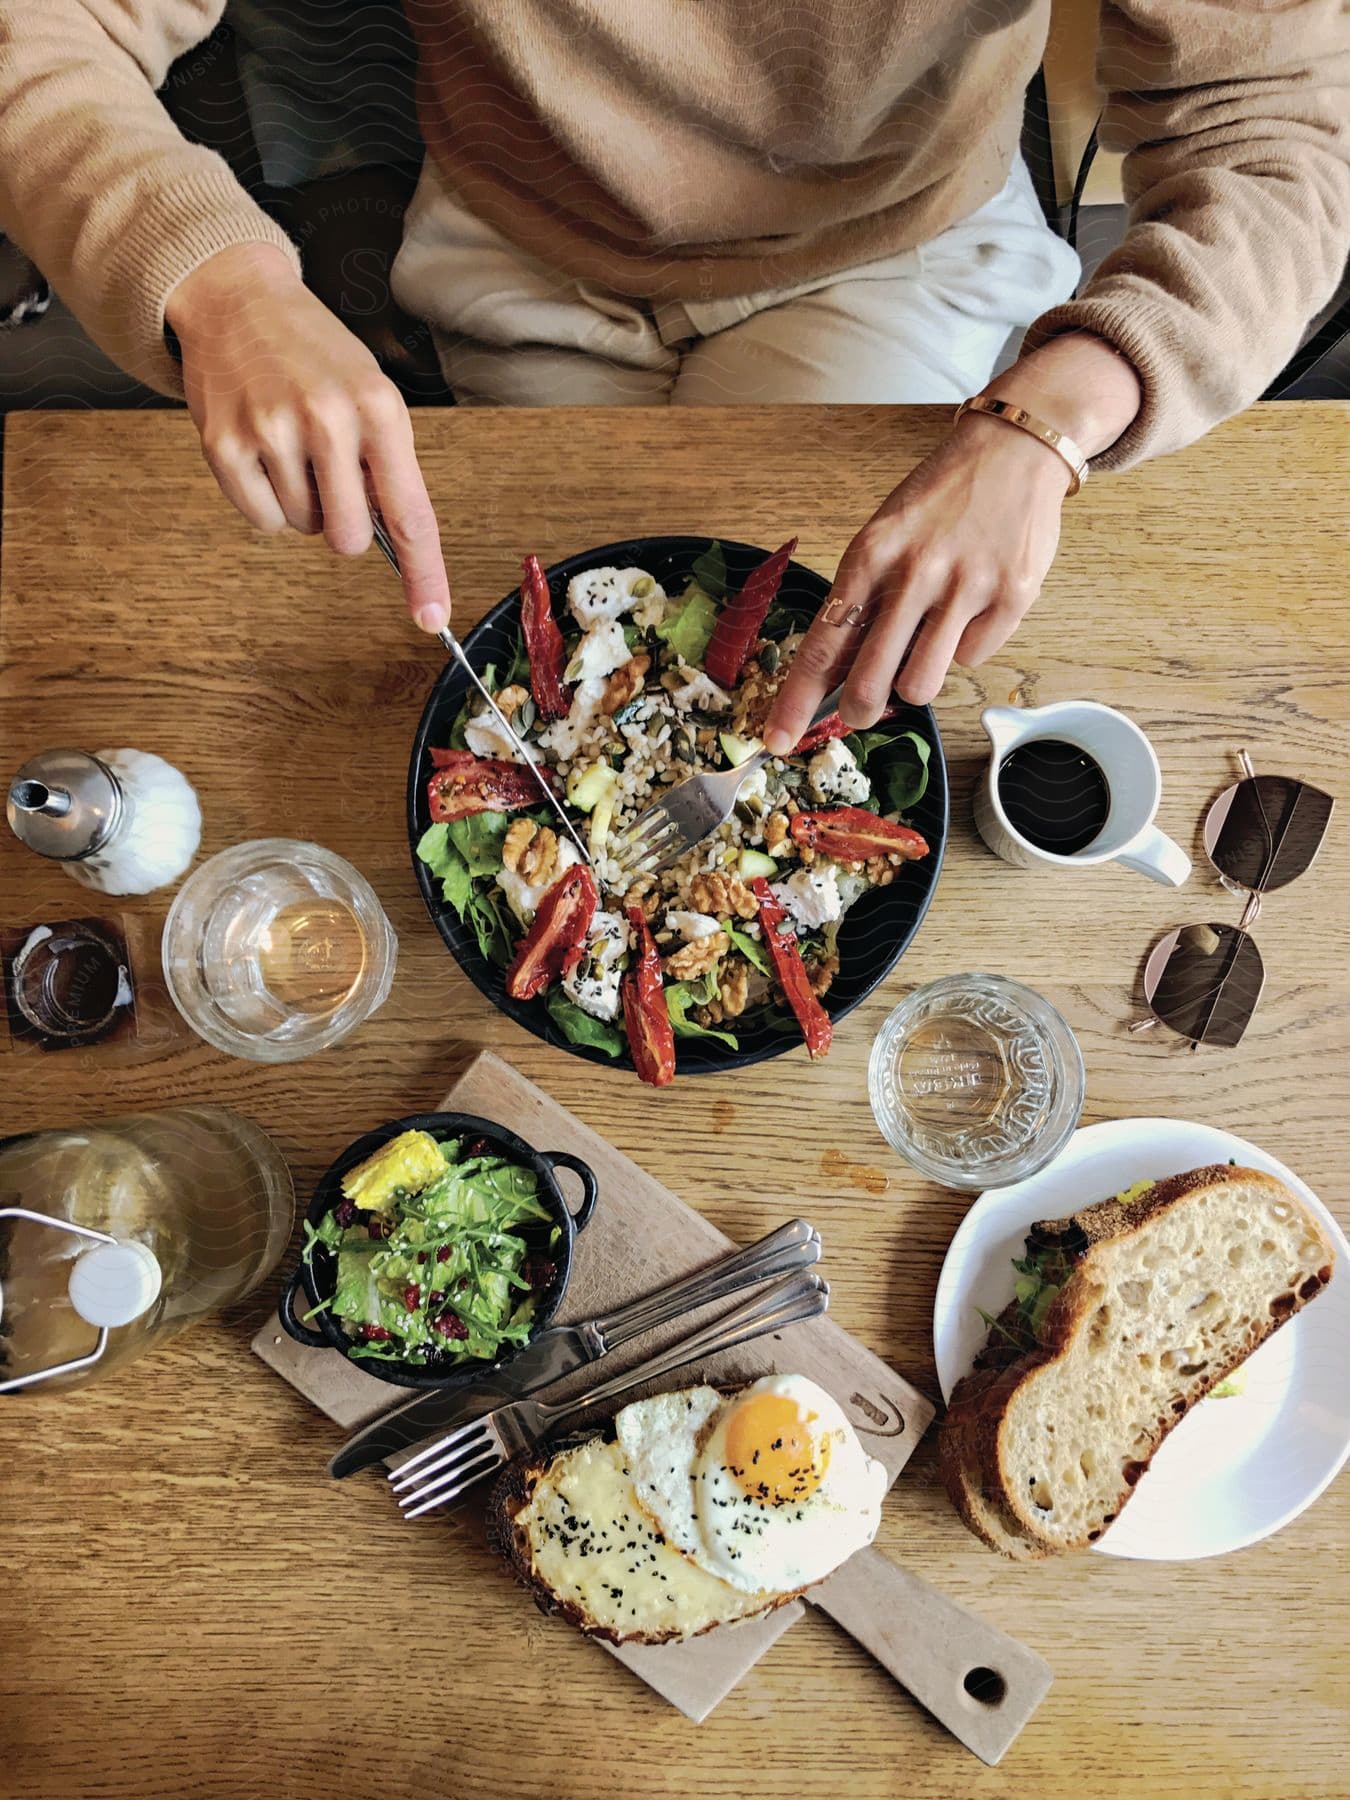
{"x": 1124, "y": 1316}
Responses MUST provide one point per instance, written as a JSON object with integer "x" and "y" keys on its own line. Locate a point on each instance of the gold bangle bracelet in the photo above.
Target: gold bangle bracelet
{"x": 1012, "y": 414}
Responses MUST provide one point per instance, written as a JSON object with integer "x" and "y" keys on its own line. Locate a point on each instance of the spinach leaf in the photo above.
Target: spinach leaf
{"x": 901, "y": 775}
{"x": 710, "y": 571}
{"x": 495, "y": 934}
{"x": 904, "y": 778}
{"x": 579, "y": 1027}
{"x": 517, "y": 670}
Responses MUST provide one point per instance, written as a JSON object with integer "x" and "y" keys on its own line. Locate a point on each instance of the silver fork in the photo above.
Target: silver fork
{"x": 690, "y": 811}
{"x": 476, "y": 1449}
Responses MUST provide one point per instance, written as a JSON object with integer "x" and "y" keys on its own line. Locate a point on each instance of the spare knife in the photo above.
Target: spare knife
{"x": 456, "y": 650}
{"x": 563, "y": 1348}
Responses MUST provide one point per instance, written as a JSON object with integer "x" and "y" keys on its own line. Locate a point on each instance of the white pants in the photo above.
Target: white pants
{"x": 925, "y": 325}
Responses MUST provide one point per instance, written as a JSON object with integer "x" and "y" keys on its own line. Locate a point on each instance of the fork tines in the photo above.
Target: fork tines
{"x": 644, "y": 841}
{"x": 440, "y": 1474}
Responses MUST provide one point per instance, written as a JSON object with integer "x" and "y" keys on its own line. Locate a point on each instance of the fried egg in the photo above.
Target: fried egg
{"x": 770, "y": 1489}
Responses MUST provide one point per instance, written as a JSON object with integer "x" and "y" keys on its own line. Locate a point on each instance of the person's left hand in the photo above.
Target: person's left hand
{"x": 947, "y": 567}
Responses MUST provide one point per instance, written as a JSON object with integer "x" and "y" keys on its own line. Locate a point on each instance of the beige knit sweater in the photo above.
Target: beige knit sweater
{"x": 699, "y": 148}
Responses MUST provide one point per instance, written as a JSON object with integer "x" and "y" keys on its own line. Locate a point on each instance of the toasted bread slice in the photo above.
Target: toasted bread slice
{"x": 1162, "y": 1298}
{"x": 570, "y": 1528}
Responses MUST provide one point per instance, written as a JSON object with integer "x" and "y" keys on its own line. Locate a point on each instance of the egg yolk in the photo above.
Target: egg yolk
{"x": 772, "y": 1453}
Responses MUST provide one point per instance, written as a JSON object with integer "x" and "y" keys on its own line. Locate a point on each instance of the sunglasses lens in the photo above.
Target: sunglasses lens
{"x": 1205, "y": 981}
{"x": 1263, "y": 832}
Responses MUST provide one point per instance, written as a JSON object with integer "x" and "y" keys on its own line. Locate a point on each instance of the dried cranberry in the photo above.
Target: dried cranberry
{"x": 412, "y": 1296}
{"x": 451, "y": 1326}
{"x": 421, "y": 1256}
{"x": 376, "y": 1334}
{"x": 380, "y": 1228}
{"x": 444, "y": 1253}
{"x": 478, "y": 1147}
{"x": 435, "y": 1297}
{"x": 344, "y": 1213}
{"x": 539, "y": 1271}
{"x": 461, "y": 1284}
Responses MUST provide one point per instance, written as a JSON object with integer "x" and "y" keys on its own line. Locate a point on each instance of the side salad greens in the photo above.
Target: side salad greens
{"x": 432, "y": 1266}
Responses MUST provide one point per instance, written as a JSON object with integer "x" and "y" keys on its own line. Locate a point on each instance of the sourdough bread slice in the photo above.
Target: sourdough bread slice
{"x": 1164, "y": 1296}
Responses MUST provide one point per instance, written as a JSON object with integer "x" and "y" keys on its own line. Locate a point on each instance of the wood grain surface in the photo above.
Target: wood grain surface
{"x": 189, "y": 1607}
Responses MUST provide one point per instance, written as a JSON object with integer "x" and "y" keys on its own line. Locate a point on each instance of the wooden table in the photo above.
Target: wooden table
{"x": 188, "y": 1607}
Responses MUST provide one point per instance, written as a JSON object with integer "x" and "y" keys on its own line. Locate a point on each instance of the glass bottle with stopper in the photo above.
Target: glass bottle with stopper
{"x": 117, "y": 1235}
{"x": 124, "y": 821}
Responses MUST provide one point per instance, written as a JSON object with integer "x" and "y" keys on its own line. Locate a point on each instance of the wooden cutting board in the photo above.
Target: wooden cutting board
{"x": 641, "y": 1237}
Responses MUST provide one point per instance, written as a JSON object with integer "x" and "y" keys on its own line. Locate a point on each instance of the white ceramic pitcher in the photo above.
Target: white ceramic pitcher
{"x": 1130, "y": 767}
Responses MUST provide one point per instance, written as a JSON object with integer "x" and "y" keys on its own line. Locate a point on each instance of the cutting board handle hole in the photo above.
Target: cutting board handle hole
{"x": 987, "y": 1686}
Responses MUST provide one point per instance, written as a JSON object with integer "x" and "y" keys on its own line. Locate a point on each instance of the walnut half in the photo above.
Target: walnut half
{"x": 821, "y": 974}
{"x": 721, "y": 896}
{"x": 696, "y": 958}
{"x": 625, "y": 683}
{"x": 531, "y": 851}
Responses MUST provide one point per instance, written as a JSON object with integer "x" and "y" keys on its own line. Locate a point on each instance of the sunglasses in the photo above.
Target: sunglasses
{"x": 1204, "y": 981}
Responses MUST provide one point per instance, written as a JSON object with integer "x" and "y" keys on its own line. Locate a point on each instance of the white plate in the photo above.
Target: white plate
{"x": 1234, "y": 1470}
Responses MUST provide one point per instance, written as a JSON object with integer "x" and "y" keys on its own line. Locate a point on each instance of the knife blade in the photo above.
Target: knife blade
{"x": 456, "y": 649}
{"x": 563, "y": 1348}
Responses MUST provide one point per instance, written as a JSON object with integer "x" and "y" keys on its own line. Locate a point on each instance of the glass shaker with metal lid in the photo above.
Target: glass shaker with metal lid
{"x": 124, "y": 821}
{"x": 116, "y": 1235}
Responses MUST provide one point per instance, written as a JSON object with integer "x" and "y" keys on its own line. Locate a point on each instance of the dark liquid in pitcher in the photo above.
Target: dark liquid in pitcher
{"x": 1054, "y": 795}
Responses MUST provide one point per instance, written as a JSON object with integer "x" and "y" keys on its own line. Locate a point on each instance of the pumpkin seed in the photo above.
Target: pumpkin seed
{"x": 769, "y": 658}
{"x": 526, "y": 716}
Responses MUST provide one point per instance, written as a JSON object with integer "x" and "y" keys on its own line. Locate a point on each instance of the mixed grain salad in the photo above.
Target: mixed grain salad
{"x": 629, "y": 691}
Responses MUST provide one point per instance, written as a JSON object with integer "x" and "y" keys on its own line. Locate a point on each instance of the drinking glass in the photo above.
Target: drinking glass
{"x": 276, "y": 949}
{"x": 976, "y": 1080}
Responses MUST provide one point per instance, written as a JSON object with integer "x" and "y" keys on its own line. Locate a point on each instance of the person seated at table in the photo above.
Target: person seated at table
{"x": 655, "y": 202}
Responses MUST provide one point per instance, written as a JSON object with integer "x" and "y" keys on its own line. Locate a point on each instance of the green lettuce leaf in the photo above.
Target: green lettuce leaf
{"x": 356, "y": 1295}
{"x": 580, "y": 1027}
{"x": 710, "y": 571}
{"x": 478, "y": 839}
{"x": 682, "y": 995}
{"x": 438, "y": 851}
{"x": 689, "y": 624}
{"x": 750, "y": 948}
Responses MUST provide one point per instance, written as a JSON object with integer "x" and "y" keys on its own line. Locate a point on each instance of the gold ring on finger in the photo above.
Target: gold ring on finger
{"x": 840, "y": 612}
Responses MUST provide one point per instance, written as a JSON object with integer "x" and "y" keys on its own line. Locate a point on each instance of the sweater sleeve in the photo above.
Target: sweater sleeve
{"x": 97, "y": 185}
{"x": 1234, "y": 120}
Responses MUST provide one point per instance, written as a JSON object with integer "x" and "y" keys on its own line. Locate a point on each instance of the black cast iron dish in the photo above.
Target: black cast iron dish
{"x": 316, "y": 1279}
{"x": 875, "y": 934}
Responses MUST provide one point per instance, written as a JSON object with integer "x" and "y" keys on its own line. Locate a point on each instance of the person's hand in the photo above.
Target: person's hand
{"x": 948, "y": 566}
{"x": 297, "y": 423}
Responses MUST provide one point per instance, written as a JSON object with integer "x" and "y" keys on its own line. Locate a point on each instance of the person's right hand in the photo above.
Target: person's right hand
{"x": 297, "y": 423}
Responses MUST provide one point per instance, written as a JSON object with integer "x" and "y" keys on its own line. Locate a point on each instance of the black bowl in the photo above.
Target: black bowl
{"x": 876, "y": 932}
{"x": 316, "y": 1279}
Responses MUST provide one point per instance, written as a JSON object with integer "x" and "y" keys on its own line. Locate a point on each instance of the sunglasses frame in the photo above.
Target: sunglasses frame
{"x": 1216, "y": 816}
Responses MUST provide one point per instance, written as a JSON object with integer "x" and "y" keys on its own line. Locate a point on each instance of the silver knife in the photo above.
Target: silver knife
{"x": 456, "y": 650}
{"x": 563, "y": 1348}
